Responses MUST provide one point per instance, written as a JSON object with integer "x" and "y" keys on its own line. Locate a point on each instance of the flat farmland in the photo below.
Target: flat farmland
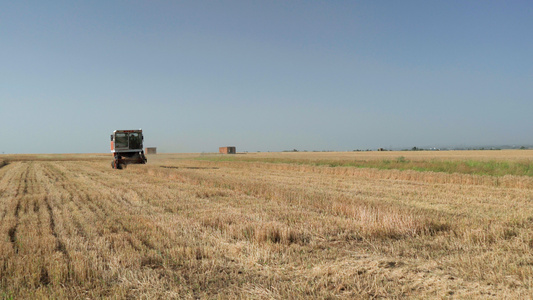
{"x": 450, "y": 224}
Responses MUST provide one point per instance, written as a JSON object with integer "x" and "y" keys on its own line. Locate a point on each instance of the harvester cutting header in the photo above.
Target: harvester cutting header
{"x": 127, "y": 148}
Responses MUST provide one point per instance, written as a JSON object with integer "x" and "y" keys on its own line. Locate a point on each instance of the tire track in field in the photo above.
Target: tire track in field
{"x": 7, "y": 188}
{"x": 27, "y": 188}
{"x": 21, "y": 191}
{"x": 13, "y": 230}
{"x": 33, "y": 260}
{"x": 10, "y": 207}
{"x": 5, "y": 180}
{"x": 75, "y": 205}
{"x": 117, "y": 191}
{"x": 60, "y": 245}
{"x": 89, "y": 205}
{"x": 3, "y": 215}
{"x": 123, "y": 220}
{"x": 71, "y": 221}
{"x": 114, "y": 207}
{"x": 22, "y": 188}
{"x": 118, "y": 197}
{"x": 70, "y": 202}
{"x": 36, "y": 222}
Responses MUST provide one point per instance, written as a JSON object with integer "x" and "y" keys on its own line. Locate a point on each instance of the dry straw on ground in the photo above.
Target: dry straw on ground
{"x": 72, "y": 227}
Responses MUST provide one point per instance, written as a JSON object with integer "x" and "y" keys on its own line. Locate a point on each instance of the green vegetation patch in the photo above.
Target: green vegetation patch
{"x": 474, "y": 167}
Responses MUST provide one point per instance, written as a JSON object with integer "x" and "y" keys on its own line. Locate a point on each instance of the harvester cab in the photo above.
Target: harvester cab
{"x": 127, "y": 148}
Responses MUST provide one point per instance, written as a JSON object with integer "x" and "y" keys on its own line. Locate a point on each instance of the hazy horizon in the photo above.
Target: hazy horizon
{"x": 265, "y": 76}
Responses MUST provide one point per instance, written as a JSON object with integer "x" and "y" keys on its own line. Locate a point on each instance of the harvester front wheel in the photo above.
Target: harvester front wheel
{"x": 115, "y": 164}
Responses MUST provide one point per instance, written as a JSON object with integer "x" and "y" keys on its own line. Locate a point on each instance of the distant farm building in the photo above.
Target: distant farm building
{"x": 150, "y": 150}
{"x": 227, "y": 150}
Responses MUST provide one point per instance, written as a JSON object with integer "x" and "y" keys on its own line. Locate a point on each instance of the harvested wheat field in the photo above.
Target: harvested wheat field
{"x": 268, "y": 226}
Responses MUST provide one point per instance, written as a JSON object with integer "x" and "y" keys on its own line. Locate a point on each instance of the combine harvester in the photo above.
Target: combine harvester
{"x": 127, "y": 148}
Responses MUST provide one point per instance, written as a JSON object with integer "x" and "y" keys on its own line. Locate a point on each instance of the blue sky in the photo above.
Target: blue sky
{"x": 265, "y": 75}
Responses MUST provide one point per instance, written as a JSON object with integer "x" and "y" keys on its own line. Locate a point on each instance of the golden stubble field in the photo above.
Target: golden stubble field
{"x": 179, "y": 227}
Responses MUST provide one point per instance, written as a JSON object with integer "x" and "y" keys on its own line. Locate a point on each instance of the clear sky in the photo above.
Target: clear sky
{"x": 265, "y": 75}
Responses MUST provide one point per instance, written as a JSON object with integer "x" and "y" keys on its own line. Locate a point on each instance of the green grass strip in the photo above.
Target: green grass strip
{"x": 474, "y": 167}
